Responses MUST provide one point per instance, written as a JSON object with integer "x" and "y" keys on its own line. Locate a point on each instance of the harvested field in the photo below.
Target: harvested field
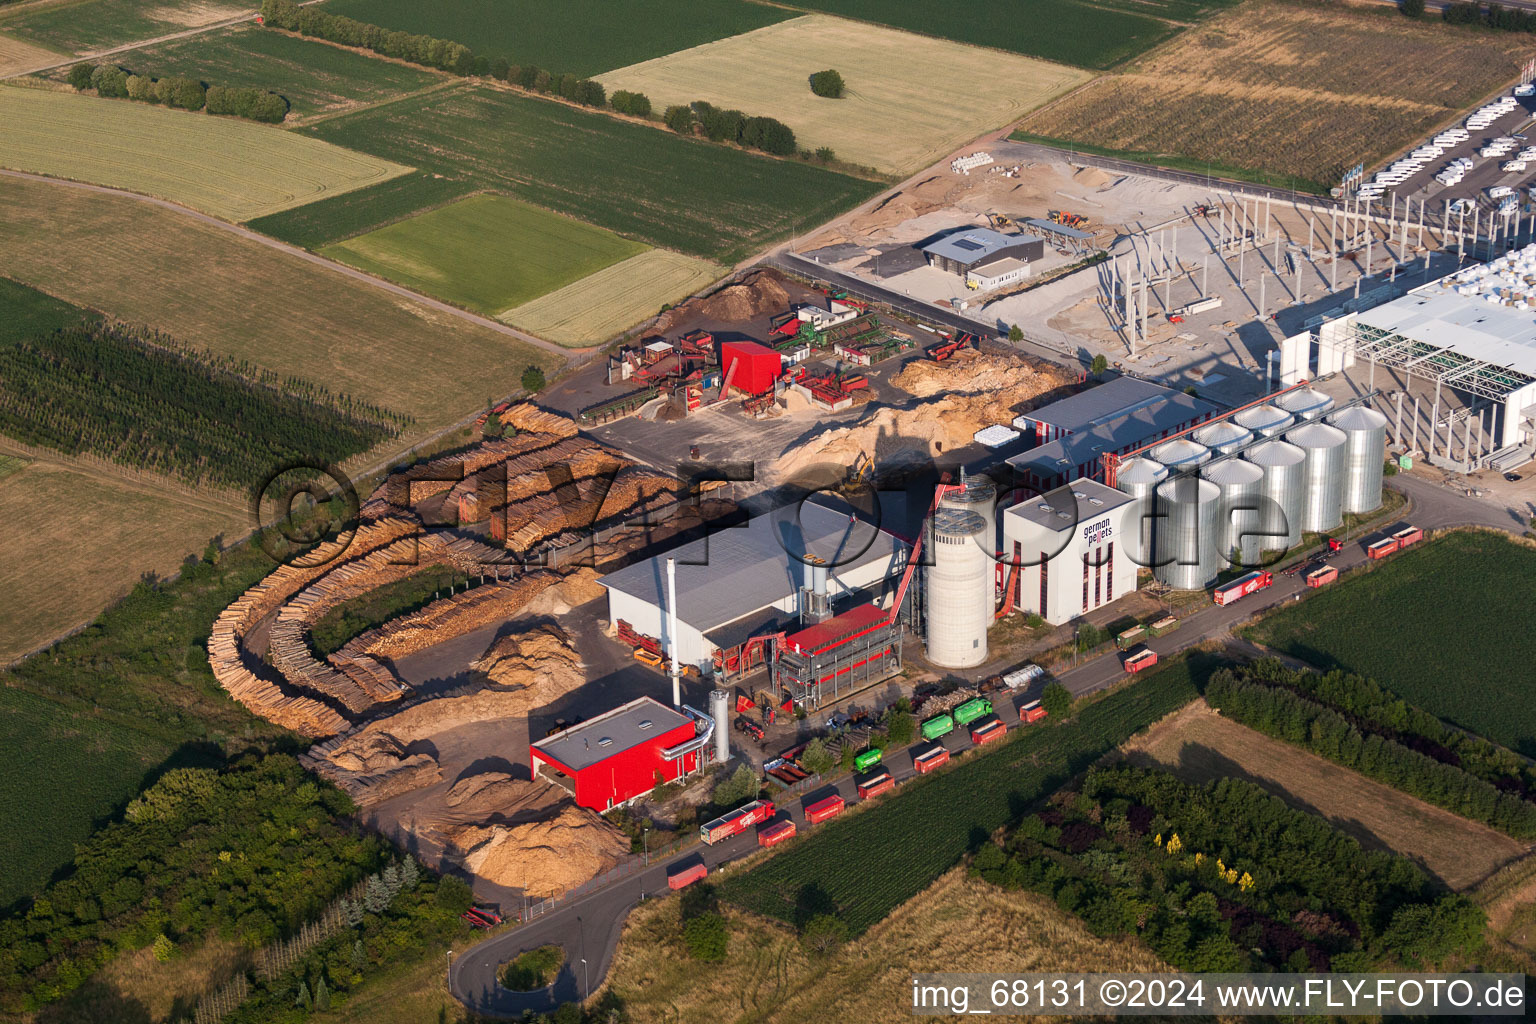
{"x": 223, "y": 166}
{"x": 1198, "y": 745}
{"x": 967, "y": 392}
{"x": 580, "y": 37}
{"x": 1288, "y": 91}
{"x": 960, "y": 922}
{"x": 487, "y": 253}
{"x": 601, "y": 305}
{"x": 17, "y": 55}
{"x": 640, "y": 181}
{"x": 91, "y": 25}
{"x": 313, "y": 76}
{"x": 910, "y": 99}
{"x": 153, "y": 266}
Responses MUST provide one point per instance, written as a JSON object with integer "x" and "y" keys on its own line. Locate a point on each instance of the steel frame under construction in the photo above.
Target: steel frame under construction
{"x": 1441, "y": 364}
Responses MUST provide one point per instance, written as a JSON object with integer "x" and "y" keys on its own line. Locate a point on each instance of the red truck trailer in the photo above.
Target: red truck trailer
{"x": 930, "y": 759}
{"x": 687, "y": 876}
{"x": 882, "y": 783}
{"x": 821, "y": 810}
{"x": 988, "y": 731}
{"x": 1033, "y": 711}
{"x": 1407, "y": 536}
{"x": 1322, "y": 577}
{"x": 1382, "y": 548}
{"x": 775, "y": 833}
{"x": 1243, "y": 586}
{"x": 736, "y": 822}
{"x": 1137, "y": 660}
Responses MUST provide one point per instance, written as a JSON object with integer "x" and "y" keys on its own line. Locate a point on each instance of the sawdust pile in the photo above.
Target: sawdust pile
{"x": 1093, "y": 177}
{"x": 497, "y": 793}
{"x": 380, "y": 767}
{"x": 965, "y": 393}
{"x": 540, "y": 664}
{"x": 756, "y": 294}
{"x": 543, "y": 858}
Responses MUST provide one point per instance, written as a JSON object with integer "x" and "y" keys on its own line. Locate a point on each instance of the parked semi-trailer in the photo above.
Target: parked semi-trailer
{"x": 1382, "y": 548}
{"x": 868, "y": 759}
{"x": 930, "y": 759}
{"x": 1130, "y": 638}
{"x": 1322, "y": 577}
{"x": 971, "y": 710}
{"x": 1138, "y": 660}
{"x": 938, "y": 725}
{"x": 775, "y": 833}
{"x": 985, "y": 732}
{"x": 1022, "y": 677}
{"x": 874, "y": 787}
{"x": 735, "y": 822}
{"x": 821, "y": 810}
{"x": 1407, "y": 536}
{"x": 687, "y": 876}
{"x": 1031, "y": 712}
{"x": 1243, "y": 586}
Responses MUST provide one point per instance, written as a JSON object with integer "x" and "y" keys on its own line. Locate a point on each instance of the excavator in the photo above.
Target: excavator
{"x": 999, "y": 221}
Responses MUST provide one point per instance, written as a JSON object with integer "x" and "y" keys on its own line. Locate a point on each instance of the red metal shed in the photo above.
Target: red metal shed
{"x": 757, "y": 366}
{"x": 617, "y": 756}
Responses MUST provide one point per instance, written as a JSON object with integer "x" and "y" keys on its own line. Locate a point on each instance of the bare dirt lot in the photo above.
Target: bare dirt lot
{"x": 1298, "y": 91}
{"x": 1198, "y": 744}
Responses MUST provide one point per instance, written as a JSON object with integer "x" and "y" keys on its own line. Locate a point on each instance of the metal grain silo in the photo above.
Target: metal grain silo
{"x": 957, "y": 613}
{"x": 1284, "y": 491}
{"x": 1322, "y": 506}
{"x": 1240, "y": 510}
{"x": 1188, "y": 532}
{"x": 1264, "y": 420}
{"x": 1139, "y": 478}
{"x": 979, "y": 494}
{"x": 1366, "y": 429}
{"x": 1305, "y": 403}
{"x": 1222, "y": 437}
{"x": 1181, "y": 454}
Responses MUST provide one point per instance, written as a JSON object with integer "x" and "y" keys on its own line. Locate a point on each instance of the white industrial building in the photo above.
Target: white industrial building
{"x": 1075, "y": 547}
{"x": 744, "y": 581}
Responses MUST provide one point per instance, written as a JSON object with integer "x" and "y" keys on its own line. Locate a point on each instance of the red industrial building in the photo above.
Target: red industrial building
{"x": 619, "y": 755}
{"x": 750, "y": 367}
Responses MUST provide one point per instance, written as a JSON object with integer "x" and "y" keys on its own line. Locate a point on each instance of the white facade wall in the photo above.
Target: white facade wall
{"x": 1295, "y": 358}
{"x": 1106, "y": 540}
{"x": 1513, "y": 422}
{"x": 1335, "y": 346}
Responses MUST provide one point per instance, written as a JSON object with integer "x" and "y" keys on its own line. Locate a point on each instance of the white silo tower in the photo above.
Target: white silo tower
{"x": 957, "y": 609}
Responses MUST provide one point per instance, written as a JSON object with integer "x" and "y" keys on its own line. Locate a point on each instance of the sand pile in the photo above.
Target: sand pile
{"x": 543, "y": 858}
{"x": 758, "y": 293}
{"x": 1093, "y": 177}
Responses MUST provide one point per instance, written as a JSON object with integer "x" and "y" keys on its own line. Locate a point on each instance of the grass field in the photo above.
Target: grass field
{"x": 210, "y": 289}
{"x": 601, "y": 305}
{"x": 90, "y": 25}
{"x": 701, "y": 199}
{"x": 80, "y": 769}
{"x": 1090, "y": 35}
{"x": 910, "y": 99}
{"x": 1198, "y": 745}
{"x": 488, "y": 253}
{"x": 313, "y": 76}
{"x": 948, "y": 810}
{"x": 362, "y": 210}
{"x": 25, "y": 312}
{"x": 1476, "y": 673}
{"x": 959, "y": 922}
{"x": 579, "y": 37}
{"x": 1295, "y": 91}
{"x": 220, "y": 165}
{"x": 18, "y": 55}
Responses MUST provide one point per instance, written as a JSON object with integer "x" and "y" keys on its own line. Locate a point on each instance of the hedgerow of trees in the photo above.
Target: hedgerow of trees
{"x": 1496, "y": 16}
{"x": 180, "y": 92}
{"x": 133, "y": 396}
{"x": 1225, "y": 877}
{"x": 1274, "y": 707}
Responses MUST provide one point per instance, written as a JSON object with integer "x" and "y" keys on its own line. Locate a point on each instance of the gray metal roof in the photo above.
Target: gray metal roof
{"x": 1066, "y": 506}
{"x": 626, "y": 726}
{"x": 1465, "y": 324}
{"x": 737, "y": 571}
{"x": 1052, "y": 228}
{"x": 1115, "y": 398}
{"x": 976, "y": 245}
{"x": 1130, "y": 413}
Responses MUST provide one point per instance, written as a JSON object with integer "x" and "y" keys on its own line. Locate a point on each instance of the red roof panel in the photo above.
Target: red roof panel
{"x": 836, "y": 629}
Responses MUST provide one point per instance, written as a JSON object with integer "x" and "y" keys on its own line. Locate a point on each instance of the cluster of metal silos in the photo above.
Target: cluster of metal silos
{"x": 1283, "y": 490}
{"x": 957, "y": 592}
{"x": 1322, "y": 474}
{"x": 1365, "y": 456}
{"x": 1187, "y": 532}
{"x": 1139, "y": 478}
{"x": 1240, "y": 509}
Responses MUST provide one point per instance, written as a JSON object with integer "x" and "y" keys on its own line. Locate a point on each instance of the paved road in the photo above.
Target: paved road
{"x": 588, "y": 927}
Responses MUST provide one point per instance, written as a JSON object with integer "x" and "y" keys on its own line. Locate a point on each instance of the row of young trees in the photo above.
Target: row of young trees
{"x": 113, "y": 82}
{"x": 1284, "y": 714}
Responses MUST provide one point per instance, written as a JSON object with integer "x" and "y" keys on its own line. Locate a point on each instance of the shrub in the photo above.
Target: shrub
{"x": 1057, "y": 701}
{"x": 533, "y": 969}
{"x": 679, "y": 118}
{"x": 255, "y": 104}
{"x": 499, "y": 68}
{"x": 109, "y": 80}
{"x": 769, "y": 135}
{"x": 80, "y": 76}
{"x": 454, "y": 895}
{"x": 825, "y": 154}
{"x": 1099, "y": 365}
{"x": 142, "y": 88}
{"x": 543, "y": 81}
{"x": 739, "y": 787}
{"x": 827, "y": 83}
{"x": 590, "y": 93}
{"x": 822, "y": 934}
{"x": 635, "y": 104}
{"x": 164, "y": 949}
{"x": 183, "y": 93}
{"x": 1412, "y": 8}
{"x": 533, "y": 379}
{"x": 707, "y": 936}
{"x": 816, "y": 759}
{"x": 1015, "y": 333}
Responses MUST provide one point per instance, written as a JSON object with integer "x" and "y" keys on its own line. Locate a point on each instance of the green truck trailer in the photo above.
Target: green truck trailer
{"x": 868, "y": 759}
{"x": 938, "y": 725}
{"x": 971, "y": 710}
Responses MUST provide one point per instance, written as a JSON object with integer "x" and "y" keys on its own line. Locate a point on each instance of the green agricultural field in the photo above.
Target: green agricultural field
{"x": 25, "y": 312}
{"x": 864, "y": 866}
{"x": 1424, "y": 624}
{"x": 488, "y": 253}
{"x": 90, "y": 25}
{"x": 362, "y": 210}
{"x": 581, "y": 37}
{"x": 642, "y": 182}
{"x": 1088, "y": 34}
{"x": 311, "y": 75}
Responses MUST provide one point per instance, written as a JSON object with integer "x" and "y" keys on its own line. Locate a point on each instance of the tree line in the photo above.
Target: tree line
{"x": 719, "y": 125}
{"x": 1275, "y": 710}
{"x": 179, "y": 91}
{"x": 1495, "y": 16}
{"x": 135, "y": 397}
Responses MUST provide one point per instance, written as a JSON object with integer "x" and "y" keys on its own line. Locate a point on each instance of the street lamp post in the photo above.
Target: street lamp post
{"x": 645, "y": 846}
{"x": 449, "y": 974}
{"x": 586, "y": 989}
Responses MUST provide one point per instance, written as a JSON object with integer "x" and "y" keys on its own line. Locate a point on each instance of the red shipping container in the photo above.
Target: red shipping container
{"x": 1322, "y": 577}
{"x": 687, "y": 876}
{"x": 821, "y": 810}
{"x": 928, "y": 760}
{"x": 756, "y": 366}
{"x": 1382, "y": 548}
{"x": 1412, "y": 535}
{"x": 881, "y": 783}
{"x": 776, "y": 833}
{"x": 993, "y": 730}
{"x": 1035, "y": 712}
